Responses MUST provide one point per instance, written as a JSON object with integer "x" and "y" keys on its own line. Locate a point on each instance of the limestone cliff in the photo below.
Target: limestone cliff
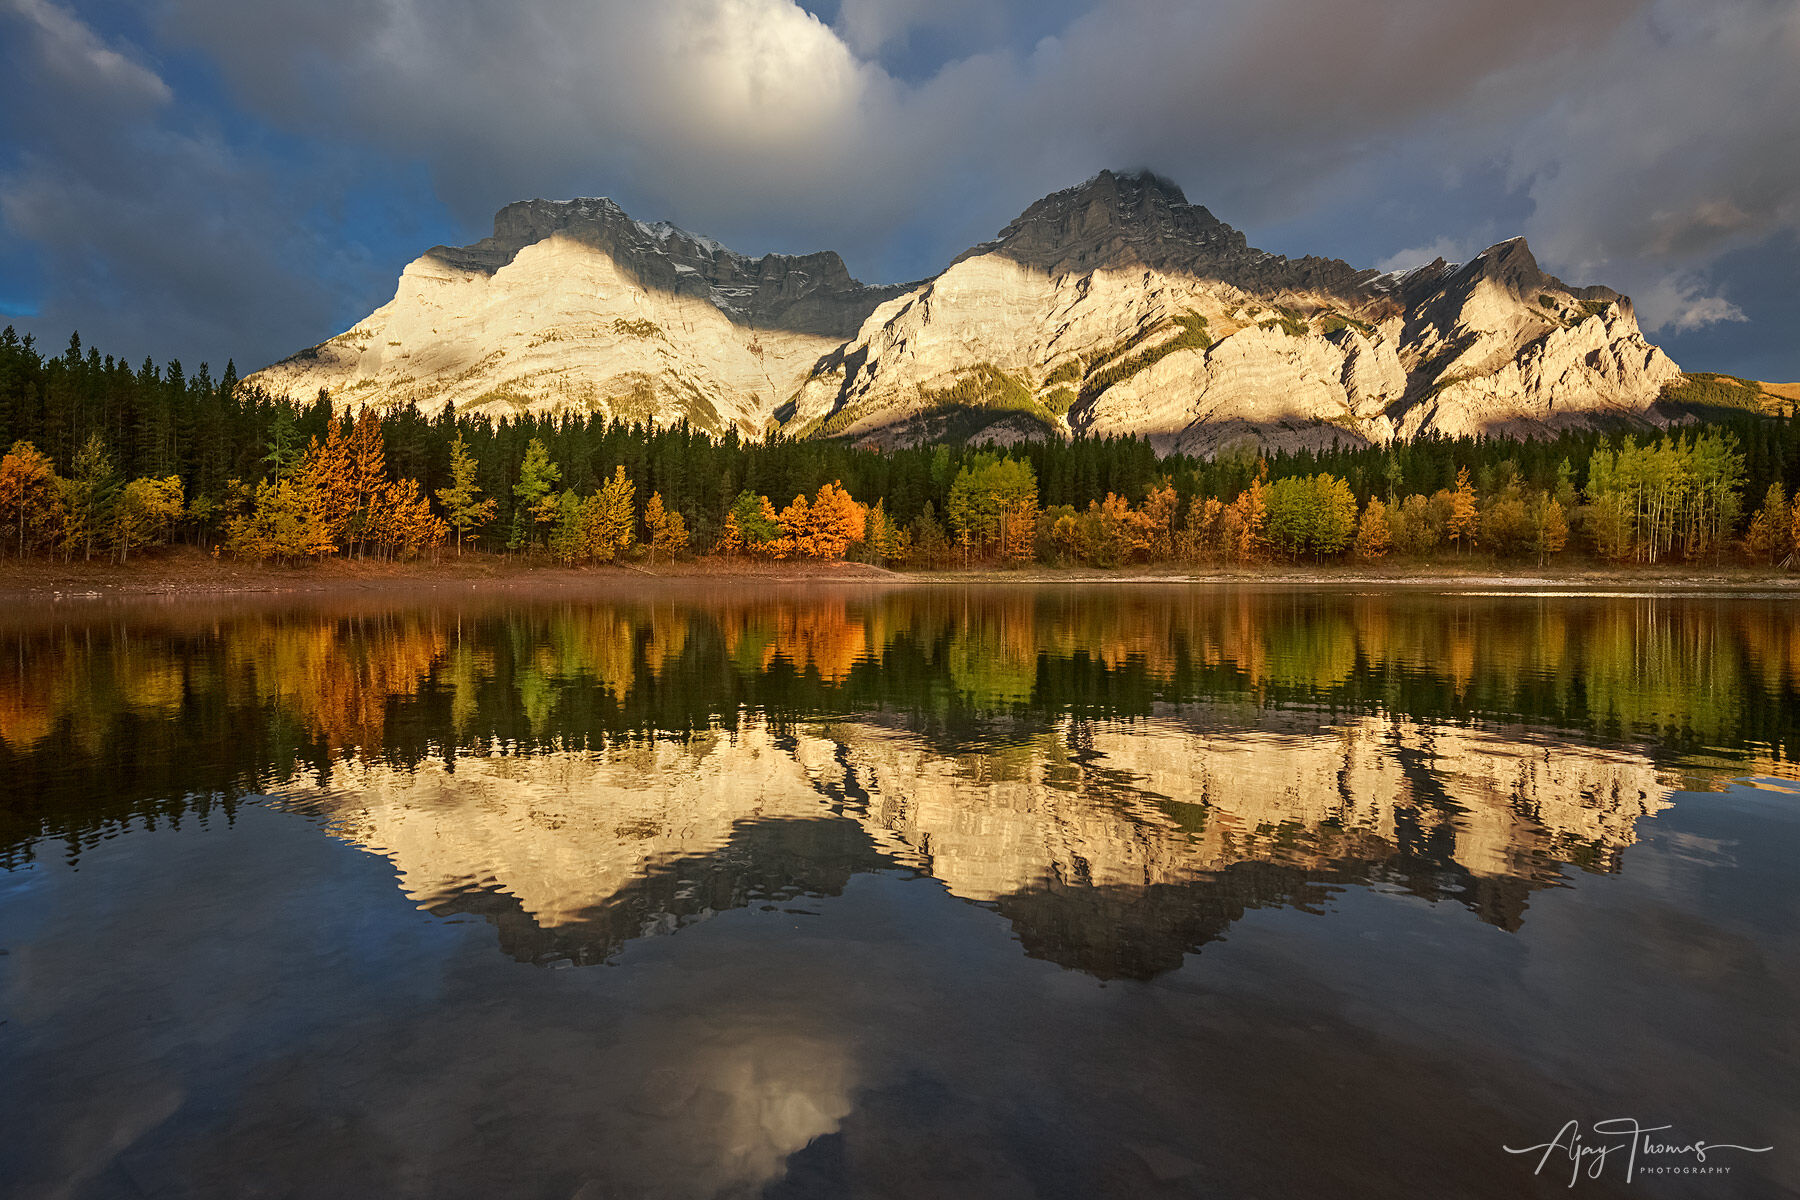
{"x": 1117, "y": 307}
{"x": 1110, "y": 308}
{"x": 576, "y": 305}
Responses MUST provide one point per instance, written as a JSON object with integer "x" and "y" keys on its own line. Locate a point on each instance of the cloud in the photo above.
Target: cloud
{"x": 870, "y": 26}
{"x": 151, "y": 233}
{"x": 1448, "y": 249}
{"x": 1682, "y": 304}
{"x": 1636, "y": 142}
{"x": 75, "y": 53}
{"x": 1679, "y": 143}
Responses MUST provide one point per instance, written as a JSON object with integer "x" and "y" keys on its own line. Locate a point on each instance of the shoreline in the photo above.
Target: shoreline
{"x": 192, "y": 573}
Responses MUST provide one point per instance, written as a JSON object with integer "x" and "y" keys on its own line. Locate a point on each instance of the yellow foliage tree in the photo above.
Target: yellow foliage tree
{"x": 1250, "y": 512}
{"x": 834, "y": 524}
{"x": 30, "y": 498}
{"x": 1770, "y": 535}
{"x": 400, "y": 521}
{"x": 667, "y": 527}
{"x": 612, "y": 520}
{"x": 1464, "y": 517}
{"x": 327, "y": 475}
{"x": 795, "y": 522}
{"x": 281, "y": 524}
{"x": 1018, "y": 533}
{"x": 147, "y": 510}
{"x": 1157, "y": 517}
{"x": 1549, "y": 527}
{"x": 1372, "y": 537}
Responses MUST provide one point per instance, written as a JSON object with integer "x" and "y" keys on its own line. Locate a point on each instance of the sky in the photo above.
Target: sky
{"x": 213, "y": 179}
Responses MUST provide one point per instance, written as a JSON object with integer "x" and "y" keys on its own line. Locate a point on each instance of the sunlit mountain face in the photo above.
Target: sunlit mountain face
{"x": 978, "y": 891}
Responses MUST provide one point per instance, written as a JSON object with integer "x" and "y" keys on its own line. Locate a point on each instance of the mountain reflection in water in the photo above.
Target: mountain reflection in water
{"x": 1120, "y": 774}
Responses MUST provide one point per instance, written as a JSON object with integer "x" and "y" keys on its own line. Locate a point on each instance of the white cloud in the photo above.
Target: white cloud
{"x": 1448, "y": 249}
{"x": 77, "y": 54}
{"x": 1682, "y": 304}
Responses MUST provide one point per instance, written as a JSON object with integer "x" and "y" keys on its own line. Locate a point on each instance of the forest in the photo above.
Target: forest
{"x": 107, "y": 460}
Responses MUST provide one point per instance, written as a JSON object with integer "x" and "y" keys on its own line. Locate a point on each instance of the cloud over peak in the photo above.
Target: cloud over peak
{"x": 1637, "y": 142}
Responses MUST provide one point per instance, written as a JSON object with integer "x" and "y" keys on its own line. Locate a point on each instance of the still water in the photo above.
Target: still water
{"x": 922, "y": 892}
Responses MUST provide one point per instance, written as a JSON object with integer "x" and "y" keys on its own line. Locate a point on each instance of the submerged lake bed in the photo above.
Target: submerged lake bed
{"x": 952, "y": 891}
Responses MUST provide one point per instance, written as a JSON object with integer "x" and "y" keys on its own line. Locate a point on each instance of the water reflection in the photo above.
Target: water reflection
{"x": 1120, "y": 774}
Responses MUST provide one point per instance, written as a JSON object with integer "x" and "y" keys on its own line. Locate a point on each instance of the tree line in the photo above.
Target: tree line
{"x": 106, "y": 460}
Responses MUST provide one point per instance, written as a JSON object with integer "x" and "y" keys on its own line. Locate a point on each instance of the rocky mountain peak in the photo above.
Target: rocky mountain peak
{"x": 809, "y": 292}
{"x": 1124, "y": 220}
{"x": 1113, "y": 220}
{"x": 1113, "y": 307}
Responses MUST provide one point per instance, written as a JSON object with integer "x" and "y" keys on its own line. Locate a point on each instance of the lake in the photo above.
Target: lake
{"x": 930, "y": 891}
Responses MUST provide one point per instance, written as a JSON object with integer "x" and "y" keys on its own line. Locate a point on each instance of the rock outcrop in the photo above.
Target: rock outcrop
{"x": 1118, "y": 308}
{"x": 1115, "y": 307}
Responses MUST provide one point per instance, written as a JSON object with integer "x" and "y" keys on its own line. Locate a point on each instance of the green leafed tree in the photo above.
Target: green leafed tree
{"x": 464, "y": 506}
{"x": 89, "y": 495}
{"x": 538, "y": 501}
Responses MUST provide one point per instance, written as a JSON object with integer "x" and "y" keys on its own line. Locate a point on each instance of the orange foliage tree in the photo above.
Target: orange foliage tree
{"x": 30, "y": 500}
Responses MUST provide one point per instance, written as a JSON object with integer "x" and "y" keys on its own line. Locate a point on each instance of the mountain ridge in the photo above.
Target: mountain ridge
{"x": 1114, "y": 306}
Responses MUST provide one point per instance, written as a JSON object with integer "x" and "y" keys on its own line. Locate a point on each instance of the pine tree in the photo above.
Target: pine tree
{"x": 282, "y": 443}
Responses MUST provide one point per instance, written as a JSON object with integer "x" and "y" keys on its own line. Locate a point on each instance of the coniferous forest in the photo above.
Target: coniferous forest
{"x": 107, "y": 460}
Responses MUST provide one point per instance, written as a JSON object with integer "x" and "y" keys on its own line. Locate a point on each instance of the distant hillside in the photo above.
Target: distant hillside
{"x": 1699, "y": 393}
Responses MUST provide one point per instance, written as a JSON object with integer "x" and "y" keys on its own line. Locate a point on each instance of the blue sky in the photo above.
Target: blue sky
{"x": 207, "y": 179}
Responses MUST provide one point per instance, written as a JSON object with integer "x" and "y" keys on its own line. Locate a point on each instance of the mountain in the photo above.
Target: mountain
{"x": 1112, "y": 307}
{"x": 577, "y": 305}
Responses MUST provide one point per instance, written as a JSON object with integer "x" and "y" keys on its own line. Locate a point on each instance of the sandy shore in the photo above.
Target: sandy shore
{"x": 186, "y": 572}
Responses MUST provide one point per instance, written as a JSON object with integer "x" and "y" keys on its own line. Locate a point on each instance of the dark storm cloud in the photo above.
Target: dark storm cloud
{"x": 1644, "y": 143}
{"x": 150, "y": 232}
